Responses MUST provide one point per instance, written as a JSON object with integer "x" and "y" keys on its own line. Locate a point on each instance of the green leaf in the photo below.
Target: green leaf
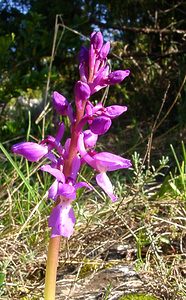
{"x": 29, "y": 187}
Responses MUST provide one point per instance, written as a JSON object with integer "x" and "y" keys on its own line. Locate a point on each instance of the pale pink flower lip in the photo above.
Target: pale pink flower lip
{"x": 62, "y": 220}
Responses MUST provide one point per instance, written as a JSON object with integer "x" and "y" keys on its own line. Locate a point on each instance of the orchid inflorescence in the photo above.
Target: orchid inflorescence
{"x": 66, "y": 159}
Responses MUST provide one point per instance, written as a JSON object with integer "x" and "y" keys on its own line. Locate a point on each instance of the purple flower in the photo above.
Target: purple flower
{"x": 29, "y": 150}
{"x": 99, "y": 117}
{"x": 94, "y": 69}
{"x": 67, "y": 158}
{"x": 63, "y": 186}
{"x": 82, "y": 91}
{"x": 103, "y": 162}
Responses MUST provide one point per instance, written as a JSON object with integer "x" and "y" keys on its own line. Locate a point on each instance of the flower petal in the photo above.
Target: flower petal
{"x": 31, "y": 151}
{"x": 82, "y": 91}
{"x": 86, "y": 157}
{"x": 90, "y": 138}
{"x": 66, "y": 190}
{"x": 104, "y": 50}
{"x": 106, "y": 161}
{"x": 52, "y": 192}
{"x": 62, "y": 220}
{"x": 81, "y": 184}
{"x": 114, "y": 111}
{"x": 60, "y": 133}
{"x": 97, "y": 40}
{"x": 104, "y": 182}
{"x": 100, "y": 125}
{"x": 117, "y": 76}
{"x": 60, "y": 103}
{"x": 76, "y": 163}
{"x": 54, "y": 172}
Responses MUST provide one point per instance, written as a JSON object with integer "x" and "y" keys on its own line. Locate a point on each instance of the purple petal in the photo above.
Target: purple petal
{"x": 62, "y": 220}
{"x": 104, "y": 182}
{"x": 100, "y": 125}
{"x": 52, "y": 192}
{"x": 106, "y": 161}
{"x": 54, "y": 172}
{"x": 83, "y": 54}
{"x": 82, "y": 91}
{"x": 97, "y": 40}
{"x": 86, "y": 157}
{"x": 52, "y": 157}
{"x": 83, "y": 71}
{"x": 76, "y": 163}
{"x": 114, "y": 111}
{"x": 82, "y": 184}
{"x": 60, "y": 133}
{"x": 67, "y": 191}
{"x": 104, "y": 50}
{"x": 31, "y": 151}
{"x": 117, "y": 76}
{"x": 90, "y": 138}
{"x": 60, "y": 103}
{"x": 100, "y": 81}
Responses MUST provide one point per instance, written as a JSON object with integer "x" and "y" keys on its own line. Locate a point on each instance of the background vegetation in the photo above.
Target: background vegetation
{"x": 39, "y": 44}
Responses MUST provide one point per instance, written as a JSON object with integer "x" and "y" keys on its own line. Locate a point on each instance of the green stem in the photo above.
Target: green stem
{"x": 51, "y": 268}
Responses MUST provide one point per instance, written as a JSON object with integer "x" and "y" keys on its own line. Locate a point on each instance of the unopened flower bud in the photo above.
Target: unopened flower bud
{"x": 29, "y": 150}
{"x": 82, "y": 91}
{"x": 97, "y": 40}
{"x": 60, "y": 103}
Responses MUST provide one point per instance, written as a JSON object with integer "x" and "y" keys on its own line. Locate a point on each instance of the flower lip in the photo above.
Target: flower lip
{"x": 62, "y": 220}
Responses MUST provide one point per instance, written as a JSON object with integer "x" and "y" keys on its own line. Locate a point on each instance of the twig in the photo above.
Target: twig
{"x": 149, "y": 144}
{"x": 49, "y": 71}
{"x": 172, "y": 105}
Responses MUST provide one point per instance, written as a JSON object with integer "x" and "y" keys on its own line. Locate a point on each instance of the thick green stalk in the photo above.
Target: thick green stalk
{"x": 51, "y": 268}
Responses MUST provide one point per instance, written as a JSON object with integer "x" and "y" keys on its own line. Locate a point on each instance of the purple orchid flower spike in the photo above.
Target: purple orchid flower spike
{"x": 67, "y": 157}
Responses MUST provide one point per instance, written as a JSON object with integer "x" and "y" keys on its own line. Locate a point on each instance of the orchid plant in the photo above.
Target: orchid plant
{"x": 87, "y": 123}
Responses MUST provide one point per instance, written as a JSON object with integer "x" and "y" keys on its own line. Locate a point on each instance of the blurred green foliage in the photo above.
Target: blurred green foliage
{"x": 148, "y": 37}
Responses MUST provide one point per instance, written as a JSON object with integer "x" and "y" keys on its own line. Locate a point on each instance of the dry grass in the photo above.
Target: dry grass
{"x": 136, "y": 245}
